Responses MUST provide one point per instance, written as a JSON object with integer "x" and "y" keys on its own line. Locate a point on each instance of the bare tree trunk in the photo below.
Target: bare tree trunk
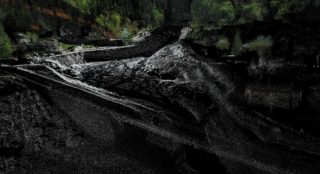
{"x": 237, "y": 6}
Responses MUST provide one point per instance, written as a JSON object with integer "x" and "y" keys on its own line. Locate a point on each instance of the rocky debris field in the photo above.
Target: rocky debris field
{"x": 37, "y": 137}
{"x": 190, "y": 114}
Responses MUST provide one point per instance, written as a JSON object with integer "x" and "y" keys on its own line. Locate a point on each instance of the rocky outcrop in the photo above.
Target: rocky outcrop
{"x": 160, "y": 78}
{"x": 206, "y": 95}
{"x": 200, "y": 114}
{"x": 43, "y": 48}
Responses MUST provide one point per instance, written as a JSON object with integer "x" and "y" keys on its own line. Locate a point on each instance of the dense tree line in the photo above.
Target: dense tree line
{"x": 117, "y": 16}
{"x": 198, "y": 12}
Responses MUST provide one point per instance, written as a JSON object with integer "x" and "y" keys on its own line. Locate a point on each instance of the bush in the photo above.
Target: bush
{"x": 158, "y": 16}
{"x": 216, "y": 12}
{"x": 262, "y": 45}
{"x": 252, "y": 11}
{"x": 6, "y": 49}
{"x": 131, "y": 26}
{"x": 83, "y": 5}
{"x": 110, "y": 21}
{"x": 223, "y": 43}
{"x": 32, "y": 37}
{"x": 237, "y": 44}
{"x": 126, "y": 36}
{"x": 66, "y": 47}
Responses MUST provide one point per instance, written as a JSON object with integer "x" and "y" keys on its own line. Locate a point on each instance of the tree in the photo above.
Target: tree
{"x": 238, "y": 7}
{"x": 5, "y": 44}
{"x": 214, "y": 12}
{"x": 237, "y": 44}
{"x": 281, "y": 9}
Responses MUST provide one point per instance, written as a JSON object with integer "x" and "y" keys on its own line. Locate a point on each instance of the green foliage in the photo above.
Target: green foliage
{"x": 66, "y": 47}
{"x": 110, "y": 21}
{"x": 237, "y": 44}
{"x": 149, "y": 13}
{"x": 216, "y": 12}
{"x": 84, "y": 6}
{"x": 87, "y": 46}
{"x": 32, "y": 37}
{"x": 130, "y": 26}
{"x": 146, "y": 12}
{"x": 101, "y": 20}
{"x": 280, "y": 9}
{"x": 71, "y": 47}
{"x": 223, "y": 43}
{"x": 220, "y": 12}
{"x": 126, "y": 36}
{"x": 6, "y": 49}
{"x": 119, "y": 27}
{"x": 284, "y": 7}
{"x": 252, "y": 11}
{"x": 157, "y": 16}
{"x": 114, "y": 21}
{"x": 262, "y": 45}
